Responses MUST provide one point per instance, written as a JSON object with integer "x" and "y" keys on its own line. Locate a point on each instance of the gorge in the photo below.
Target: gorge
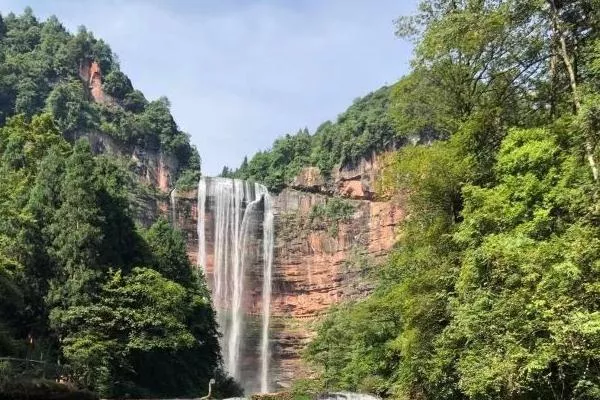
{"x": 440, "y": 239}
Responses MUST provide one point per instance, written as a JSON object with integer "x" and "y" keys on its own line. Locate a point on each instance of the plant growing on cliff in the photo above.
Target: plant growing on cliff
{"x": 289, "y": 226}
{"x": 79, "y": 282}
{"x": 331, "y": 214}
{"x": 42, "y": 67}
{"x": 365, "y": 127}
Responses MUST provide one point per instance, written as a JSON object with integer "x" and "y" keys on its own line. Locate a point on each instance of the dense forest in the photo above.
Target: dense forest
{"x": 40, "y": 64}
{"x": 492, "y": 291}
{"x": 84, "y": 292}
{"x": 364, "y": 128}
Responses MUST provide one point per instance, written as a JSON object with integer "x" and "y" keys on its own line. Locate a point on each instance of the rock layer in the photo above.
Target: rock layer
{"x": 314, "y": 266}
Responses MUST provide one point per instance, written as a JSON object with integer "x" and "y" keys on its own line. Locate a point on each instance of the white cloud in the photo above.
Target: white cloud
{"x": 241, "y": 73}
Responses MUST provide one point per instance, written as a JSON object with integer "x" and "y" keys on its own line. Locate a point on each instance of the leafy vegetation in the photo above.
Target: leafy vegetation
{"x": 40, "y": 64}
{"x": 330, "y": 214}
{"x": 326, "y": 216}
{"x": 364, "y": 128}
{"x": 119, "y": 308}
{"x": 491, "y": 292}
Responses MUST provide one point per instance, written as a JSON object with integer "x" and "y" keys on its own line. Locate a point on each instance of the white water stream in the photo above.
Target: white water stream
{"x": 236, "y": 214}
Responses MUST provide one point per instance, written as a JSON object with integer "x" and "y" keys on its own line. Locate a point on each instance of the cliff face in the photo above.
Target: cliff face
{"x": 152, "y": 167}
{"x": 315, "y": 265}
{"x": 315, "y": 268}
{"x": 91, "y": 74}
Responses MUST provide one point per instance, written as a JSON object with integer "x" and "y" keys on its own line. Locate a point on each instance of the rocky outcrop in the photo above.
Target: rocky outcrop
{"x": 315, "y": 269}
{"x": 315, "y": 266}
{"x": 91, "y": 74}
{"x": 358, "y": 180}
{"x": 152, "y": 167}
{"x": 309, "y": 179}
{"x": 355, "y": 181}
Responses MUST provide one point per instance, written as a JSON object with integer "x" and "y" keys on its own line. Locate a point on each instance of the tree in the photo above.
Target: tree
{"x": 77, "y": 232}
{"x": 117, "y": 84}
{"x": 169, "y": 252}
{"x": 522, "y": 298}
{"x": 139, "y": 315}
{"x": 67, "y": 104}
{"x": 135, "y": 101}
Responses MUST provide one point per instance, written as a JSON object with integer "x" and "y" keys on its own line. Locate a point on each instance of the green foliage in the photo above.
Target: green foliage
{"x": 188, "y": 180}
{"x": 358, "y": 132}
{"x": 123, "y": 308}
{"x": 306, "y": 389}
{"x": 117, "y": 85}
{"x": 169, "y": 250}
{"x": 40, "y": 66}
{"x": 67, "y": 103}
{"x": 491, "y": 291}
{"x": 331, "y": 214}
{"x": 140, "y": 322}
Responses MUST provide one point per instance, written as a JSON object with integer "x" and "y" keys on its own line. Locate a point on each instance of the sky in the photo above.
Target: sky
{"x": 240, "y": 73}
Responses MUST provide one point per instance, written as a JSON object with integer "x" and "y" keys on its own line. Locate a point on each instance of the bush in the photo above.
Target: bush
{"x": 43, "y": 390}
{"x": 331, "y": 214}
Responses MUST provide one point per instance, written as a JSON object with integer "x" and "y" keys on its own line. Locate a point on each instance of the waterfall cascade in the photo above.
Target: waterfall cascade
{"x": 173, "y": 196}
{"x": 234, "y": 217}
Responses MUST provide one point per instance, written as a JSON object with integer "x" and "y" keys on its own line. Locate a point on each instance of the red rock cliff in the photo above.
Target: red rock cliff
{"x": 91, "y": 74}
{"x": 314, "y": 266}
{"x": 152, "y": 167}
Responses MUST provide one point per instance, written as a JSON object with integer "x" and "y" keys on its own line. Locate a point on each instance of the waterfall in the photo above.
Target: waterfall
{"x": 233, "y": 217}
{"x": 201, "y": 225}
{"x": 174, "y": 207}
{"x": 268, "y": 236}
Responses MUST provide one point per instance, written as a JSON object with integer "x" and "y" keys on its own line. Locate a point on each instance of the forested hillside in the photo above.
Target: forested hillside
{"x": 493, "y": 289}
{"x": 41, "y": 64}
{"x": 115, "y": 308}
{"x": 362, "y": 129}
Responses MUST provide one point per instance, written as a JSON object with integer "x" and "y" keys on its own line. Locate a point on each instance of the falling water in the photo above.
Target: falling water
{"x": 267, "y": 281}
{"x": 174, "y": 207}
{"x": 232, "y": 216}
{"x": 200, "y": 226}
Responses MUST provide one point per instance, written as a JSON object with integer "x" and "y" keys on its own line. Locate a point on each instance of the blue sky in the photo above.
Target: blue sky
{"x": 241, "y": 73}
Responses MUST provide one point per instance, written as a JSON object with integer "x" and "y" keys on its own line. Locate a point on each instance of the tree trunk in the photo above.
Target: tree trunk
{"x": 564, "y": 52}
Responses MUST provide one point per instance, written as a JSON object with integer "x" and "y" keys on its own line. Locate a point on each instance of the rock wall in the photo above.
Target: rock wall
{"x": 354, "y": 181}
{"x": 317, "y": 267}
{"x": 91, "y": 74}
{"x": 314, "y": 266}
{"x": 152, "y": 167}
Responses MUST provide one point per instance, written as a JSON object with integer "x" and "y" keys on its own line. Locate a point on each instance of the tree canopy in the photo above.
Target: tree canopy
{"x": 117, "y": 306}
{"x": 491, "y": 290}
{"x": 364, "y": 128}
{"x": 40, "y": 65}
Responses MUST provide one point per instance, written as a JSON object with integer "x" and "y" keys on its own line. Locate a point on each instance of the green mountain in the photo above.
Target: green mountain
{"x": 365, "y": 127}
{"x": 492, "y": 289}
{"x": 76, "y": 79}
{"x": 84, "y": 292}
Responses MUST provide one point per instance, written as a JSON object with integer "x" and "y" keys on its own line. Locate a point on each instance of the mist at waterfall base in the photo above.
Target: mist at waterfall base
{"x": 235, "y": 249}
